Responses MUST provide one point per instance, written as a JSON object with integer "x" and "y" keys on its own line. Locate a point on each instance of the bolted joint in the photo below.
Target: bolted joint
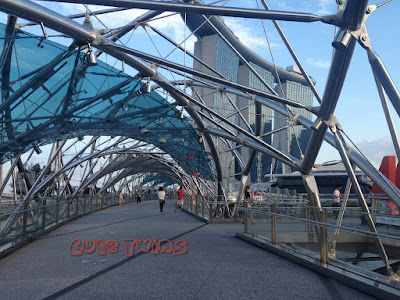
{"x": 342, "y": 40}
{"x": 333, "y": 128}
{"x": 317, "y": 124}
{"x": 370, "y": 9}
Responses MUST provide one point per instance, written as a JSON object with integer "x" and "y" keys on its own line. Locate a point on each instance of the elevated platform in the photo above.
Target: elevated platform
{"x": 216, "y": 266}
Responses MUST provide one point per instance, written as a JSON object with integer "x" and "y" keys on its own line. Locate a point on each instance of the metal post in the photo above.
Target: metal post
{"x": 68, "y": 206}
{"x": 25, "y": 219}
{"x": 57, "y": 209}
{"x": 77, "y": 206}
{"x": 245, "y": 217}
{"x": 210, "y": 209}
{"x": 324, "y": 240}
{"x": 273, "y": 224}
{"x": 44, "y": 213}
{"x": 376, "y": 203}
{"x": 202, "y": 206}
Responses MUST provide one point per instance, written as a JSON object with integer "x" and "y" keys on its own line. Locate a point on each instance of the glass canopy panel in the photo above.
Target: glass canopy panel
{"x": 158, "y": 179}
{"x": 54, "y": 94}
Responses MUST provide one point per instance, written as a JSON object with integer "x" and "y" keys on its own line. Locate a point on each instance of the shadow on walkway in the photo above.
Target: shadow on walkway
{"x": 216, "y": 266}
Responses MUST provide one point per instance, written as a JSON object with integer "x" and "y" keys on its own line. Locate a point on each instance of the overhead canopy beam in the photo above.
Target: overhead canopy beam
{"x": 208, "y": 10}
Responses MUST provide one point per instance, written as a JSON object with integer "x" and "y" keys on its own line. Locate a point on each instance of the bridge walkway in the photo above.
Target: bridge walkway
{"x": 217, "y": 265}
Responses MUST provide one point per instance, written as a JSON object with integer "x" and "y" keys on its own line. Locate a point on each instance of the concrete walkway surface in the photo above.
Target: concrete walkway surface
{"x": 217, "y": 265}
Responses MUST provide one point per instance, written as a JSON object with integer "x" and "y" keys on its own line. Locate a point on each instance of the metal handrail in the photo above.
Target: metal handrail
{"x": 308, "y": 221}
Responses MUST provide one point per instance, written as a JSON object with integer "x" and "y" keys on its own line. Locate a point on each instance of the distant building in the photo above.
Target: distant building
{"x": 293, "y": 140}
{"x": 213, "y": 51}
{"x": 217, "y": 54}
{"x": 327, "y": 178}
{"x": 262, "y": 162}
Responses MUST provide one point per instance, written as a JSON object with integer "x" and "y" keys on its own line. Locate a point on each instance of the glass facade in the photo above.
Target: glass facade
{"x": 262, "y": 162}
{"x": 303, "y": 94}
{"x": 295, "y": 137}
{"x": 227, "y": 63}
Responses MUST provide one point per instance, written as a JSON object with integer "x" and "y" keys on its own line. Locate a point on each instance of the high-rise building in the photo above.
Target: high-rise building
{"x": 213, "y": 51}
{"x": 247, "y": 77}
{"x": 216, "y": 53}
{"x": 293, "y": 140}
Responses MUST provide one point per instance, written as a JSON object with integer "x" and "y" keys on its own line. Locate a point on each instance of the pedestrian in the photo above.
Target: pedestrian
{"x": 180, "y": 193}
{"x": 247, "y": 198}
{"x": 161, "y": 197}
{"x": 139, "y": 196}
{"x": 336, "y": 197}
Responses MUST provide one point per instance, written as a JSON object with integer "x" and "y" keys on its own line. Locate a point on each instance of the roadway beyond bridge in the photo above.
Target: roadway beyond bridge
{"x": 217, "y": 265}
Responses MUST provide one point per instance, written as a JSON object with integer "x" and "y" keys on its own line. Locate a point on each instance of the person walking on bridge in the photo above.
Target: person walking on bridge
{"x": 161, "y": 197}
{"x": 336, "y": 197}
{"x": 139, "y": 196}
{"x": 180, "y": 193}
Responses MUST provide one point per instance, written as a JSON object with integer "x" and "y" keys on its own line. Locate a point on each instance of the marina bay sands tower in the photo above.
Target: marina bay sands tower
{"x": 216, "y": 53}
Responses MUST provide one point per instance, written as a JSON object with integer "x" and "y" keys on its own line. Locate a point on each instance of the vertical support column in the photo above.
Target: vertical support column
{"x": 44, "y": 213}
{"x": 202, "y": 205}
{"x": 376, "y": 204}
{"x": 57, "y": 209}
{"x": 68, "y": 199}
{"x": 245, "y": 219}
{"x": 273, "y": 224}
{"x": 313, "y": 196}
{"x": 76, "y": 206}
{"x": 324, "y": 240}
{"x": 210, "y": 208}
{"x": 25, "y": 219}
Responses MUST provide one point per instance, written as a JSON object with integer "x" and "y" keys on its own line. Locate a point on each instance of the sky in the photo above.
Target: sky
{"x": 358, "y": 110}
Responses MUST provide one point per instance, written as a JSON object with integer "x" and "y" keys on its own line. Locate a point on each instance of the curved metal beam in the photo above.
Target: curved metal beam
{"x": 208, "y": 10}
{"x": 355, "y": 157}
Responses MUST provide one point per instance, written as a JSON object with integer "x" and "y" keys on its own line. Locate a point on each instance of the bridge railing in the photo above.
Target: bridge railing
{"x": 348, "y": 245}
{"x": 209, "y": 208}
{"x": 44, "y": 214}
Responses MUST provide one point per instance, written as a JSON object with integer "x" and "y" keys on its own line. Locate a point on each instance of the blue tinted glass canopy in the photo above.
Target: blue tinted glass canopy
{"x": 51, "y": 93}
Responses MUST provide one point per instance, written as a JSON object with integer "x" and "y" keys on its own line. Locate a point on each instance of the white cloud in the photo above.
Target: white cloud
{"x": 376, "y": 149}
{"x": 248, "y": 35}
{"x": 281, "y": 5}
{"x": 326, "y": 7}
{"x": 174, "y": 27}
{"x": 318, "y": 62}
{"x": 373, "y": 149}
